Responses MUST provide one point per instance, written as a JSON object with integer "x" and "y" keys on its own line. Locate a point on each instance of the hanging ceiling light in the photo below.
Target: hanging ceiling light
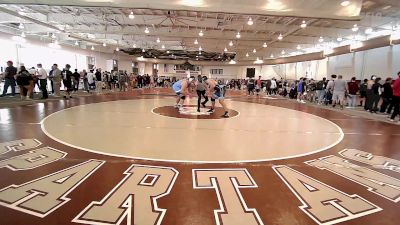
{"x": 355, "y": 28}
{"x": 196, "y": 42}
{"x": 369, "y": 30}
{"x": 283, "y": 52}
{"x": 238, "y": 35}
{"x": 265, "y": 45}
{"x": 345, "y": 3}
{"x": 23, "y": 34}
{"x": 76, "y": 43}
{"x": 225, "y": 49}
{"x": 339, "y": 39}
{"x": 201, "y": 34}
{"x": 117, "y": 49}
{"x": 199, "y": 53}
{"x": 200, "y": 48}
{"x": 258, "y": 61}
{"x": 143, "y": 50}
{"x": 303, "y": 24}
{"x": 158, "y": 40}
{"x": 280, "y": 37}
{"x": 163, "y": 46}
{"x": 247, "y": 54}
{"x": 146, "y": 30}
{"x": 134, "y": 45}
{"x": 321, "y": 39}
{"x": 104, "y": 44}
{"x": 298, "y": 47}
{"x": 250, "y": 21}
{"x": 92, "y": 48}
{"x": 231, "y": 43}
{"x": 131, "y": 16}
{"x": 167, "y": 52}
{"x": 254, "y": 50}
{"x": 272, "y": 56}
{"x": 21, "y": 26}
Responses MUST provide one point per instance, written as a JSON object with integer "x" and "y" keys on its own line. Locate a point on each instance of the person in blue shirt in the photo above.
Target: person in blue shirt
{"x": 181, "y": 88}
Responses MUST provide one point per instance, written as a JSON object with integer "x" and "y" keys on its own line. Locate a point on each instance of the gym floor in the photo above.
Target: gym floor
{"x": 208, "y": 170}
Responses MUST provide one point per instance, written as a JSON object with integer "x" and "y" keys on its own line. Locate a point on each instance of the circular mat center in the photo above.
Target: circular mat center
{"x": 191, "y": 112}
{"x": 135, "y": 129}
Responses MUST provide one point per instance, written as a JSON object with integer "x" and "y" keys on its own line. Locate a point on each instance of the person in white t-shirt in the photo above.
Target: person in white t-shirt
{"x": 273, "y": 87}
{"x": 42, "y": 76}
{"x": 91, "y": 78}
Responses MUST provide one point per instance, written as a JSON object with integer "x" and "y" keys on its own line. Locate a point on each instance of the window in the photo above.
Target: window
{"x": 216, "y": 71}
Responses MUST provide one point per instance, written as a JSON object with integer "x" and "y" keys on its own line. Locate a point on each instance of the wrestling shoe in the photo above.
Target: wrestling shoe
{"x": 226, "y": 115}
{"x": 210, "y": 110}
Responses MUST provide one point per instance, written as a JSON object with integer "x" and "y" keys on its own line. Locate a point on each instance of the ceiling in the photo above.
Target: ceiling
{"x": 296, "y": 8}
{"x": 177, "y": 25}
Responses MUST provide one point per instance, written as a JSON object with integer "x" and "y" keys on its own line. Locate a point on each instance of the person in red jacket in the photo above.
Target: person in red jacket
{"x": 396, "y": 98}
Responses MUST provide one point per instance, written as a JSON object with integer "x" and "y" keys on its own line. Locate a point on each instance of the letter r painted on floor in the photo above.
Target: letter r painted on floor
{"x": 133, "y": 199}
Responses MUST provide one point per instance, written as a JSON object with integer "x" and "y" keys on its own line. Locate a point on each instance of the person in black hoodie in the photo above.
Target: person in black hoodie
{"x": 76, "y": 79}
{"x": 363, "y": 92}
{"x": 25, "y": 83}
{"x": 67, "y": 81}
{"x": 387, "y": 96}
{"x": 375, "y": 96}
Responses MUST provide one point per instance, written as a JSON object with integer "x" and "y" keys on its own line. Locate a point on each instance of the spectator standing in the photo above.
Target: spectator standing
{"x": 353, "y": 90}
{"x": 376, "y": 95}
{"x": 301, "y": 90}
{"x": 76, "y": 79}
{"x": 363, "y": 92}
{"x": 369, "y": 94}
{"x": 321, "y": 90}
{"x": 67, "y": 80}
{"x": 339, "y": 91}
{"x": 396, "y": 98}
{"x": 387, "y": 96}
{"x": 85, "y": 81}
{"x": 57, "y": 77}
{"x": 311, "y": 88}
{"x": 25, "y": 83}
{"x": 273, "y": 86}
{"x": 51, "y": 81}
{"x": 42, "y": 76}
{"x": 99, "y": 83}
{"x": 258, "y": 85}
{"x": 9, "y": 79}
{"x": 329, "y": 89}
